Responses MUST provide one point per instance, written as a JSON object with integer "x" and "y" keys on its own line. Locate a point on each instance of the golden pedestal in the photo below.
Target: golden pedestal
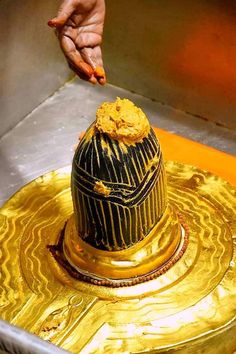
{"x": 191, "y": 308}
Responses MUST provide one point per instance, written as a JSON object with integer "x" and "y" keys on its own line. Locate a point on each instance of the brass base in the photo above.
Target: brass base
{"x": 190, "y": 307}
{"x": 148, "y": 259}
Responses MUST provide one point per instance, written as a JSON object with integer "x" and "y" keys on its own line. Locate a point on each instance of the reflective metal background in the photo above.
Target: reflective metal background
{"x": 179, "y": 52}
{"x": 31, "y": 64}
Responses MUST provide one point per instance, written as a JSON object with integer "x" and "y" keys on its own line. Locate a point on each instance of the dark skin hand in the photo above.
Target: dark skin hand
{"x": 79, "y": 27}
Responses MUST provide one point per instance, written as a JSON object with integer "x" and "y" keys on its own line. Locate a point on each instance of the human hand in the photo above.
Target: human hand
{"x": 79, "y": 27}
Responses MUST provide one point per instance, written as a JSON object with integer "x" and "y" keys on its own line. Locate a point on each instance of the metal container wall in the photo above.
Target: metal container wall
{"x": 181, "y": 53}
{"x": 31, "y": 64}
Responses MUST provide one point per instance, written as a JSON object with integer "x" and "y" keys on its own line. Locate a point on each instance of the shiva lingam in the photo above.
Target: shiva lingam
{"x": 143, "y": 256}
{"x": 122, "y": 231}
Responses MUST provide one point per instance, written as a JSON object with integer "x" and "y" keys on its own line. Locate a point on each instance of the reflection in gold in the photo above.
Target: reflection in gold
{"x": 145, "y": 256}
{"x": 193, "y": 300}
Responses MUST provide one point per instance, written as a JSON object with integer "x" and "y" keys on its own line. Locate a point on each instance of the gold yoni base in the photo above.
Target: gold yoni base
{"x": 190, "y": 308}
{"x": 144, "y": 261}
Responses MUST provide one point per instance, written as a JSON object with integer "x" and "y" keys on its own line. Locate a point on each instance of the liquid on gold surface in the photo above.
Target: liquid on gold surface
{"x": 161, "y": 247}
{"x": 193, "y": 301}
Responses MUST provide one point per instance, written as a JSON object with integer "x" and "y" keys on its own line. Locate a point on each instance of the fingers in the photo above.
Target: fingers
{"x": 84, "y": 58}
{"x": 93, "y": 56}
{"x": 99, "y": 71}
{"x": 82, "y": 76}
{"x": 100, "y": 75}
{"x": 65, "y": 11}
{"x": 87, "y": 55}
{"x": 74, "y": 57}
{"x": 76, "y": 62}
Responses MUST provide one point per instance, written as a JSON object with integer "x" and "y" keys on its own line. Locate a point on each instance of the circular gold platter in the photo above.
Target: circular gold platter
{"x": 190, "y": 307}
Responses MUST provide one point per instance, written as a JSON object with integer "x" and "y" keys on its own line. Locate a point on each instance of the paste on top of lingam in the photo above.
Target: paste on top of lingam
{"x": 123, "y": 121}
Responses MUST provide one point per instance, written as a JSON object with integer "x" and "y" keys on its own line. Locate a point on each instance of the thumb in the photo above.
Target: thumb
{"x": 65, "y": 11}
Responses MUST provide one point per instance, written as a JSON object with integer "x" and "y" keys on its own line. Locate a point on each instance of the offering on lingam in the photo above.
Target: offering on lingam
{"x": 139, "y": 252}
{"x": 122, "y": 231}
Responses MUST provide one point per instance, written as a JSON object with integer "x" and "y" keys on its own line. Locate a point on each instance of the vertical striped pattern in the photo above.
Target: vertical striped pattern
{"x": 136, "y": 177}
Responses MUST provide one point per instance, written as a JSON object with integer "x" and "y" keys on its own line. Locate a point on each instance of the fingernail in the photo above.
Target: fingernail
{"x": 102, "y": 81}
{"x": 51, "y": 23}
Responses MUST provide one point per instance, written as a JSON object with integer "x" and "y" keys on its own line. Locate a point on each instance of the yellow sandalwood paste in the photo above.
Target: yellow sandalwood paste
{"x": 122, "y": 121}
{"x": 102, "y": 189}
{"x": 99, "y": 72}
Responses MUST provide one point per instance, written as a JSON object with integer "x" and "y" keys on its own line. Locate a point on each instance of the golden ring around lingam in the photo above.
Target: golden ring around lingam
{"x": 162, "y": 280}
{"x": 144, "y": 261}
